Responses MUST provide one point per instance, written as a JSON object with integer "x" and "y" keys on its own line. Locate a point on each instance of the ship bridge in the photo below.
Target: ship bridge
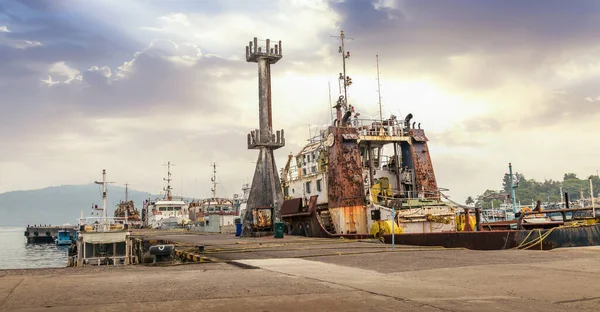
{"x": 379, "y": 132}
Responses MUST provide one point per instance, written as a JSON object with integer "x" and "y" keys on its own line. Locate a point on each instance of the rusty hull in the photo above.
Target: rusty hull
{"x": 349, "y": 220}
{"x": 345, "y": 182}
{"x": 588, "y": 235}
{"x": 344, "y": 179}
{"x": 424, "y": 174}
{"x": 304, "y": 221}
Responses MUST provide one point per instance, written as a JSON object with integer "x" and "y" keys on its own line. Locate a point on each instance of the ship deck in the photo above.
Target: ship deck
{"x": 300, "y": 274}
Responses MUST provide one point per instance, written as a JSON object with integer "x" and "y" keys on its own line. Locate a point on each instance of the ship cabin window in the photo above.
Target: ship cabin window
{"x": 304, "y": 171}
{"x": 176, "y": 208}
{"x": 308, "y": 187}
{"x": 162, "y": 208}
{"x": 286, "y": 191}
{"x": 319, "y": 185}
{"x": 314, "y": 169}
{"x": 307, "y": 157}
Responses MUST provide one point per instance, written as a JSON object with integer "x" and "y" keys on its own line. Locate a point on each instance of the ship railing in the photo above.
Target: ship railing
{"x": 412, "y": 196}
{"x": 374, "y": 127}
{"x": 293, "y": 172}
{"x": 98, "y": 224}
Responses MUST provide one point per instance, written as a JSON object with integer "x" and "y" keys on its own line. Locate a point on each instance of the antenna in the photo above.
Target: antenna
{"x": 168, "y": 179}
{"x": 345, "y": 55}
{"x": 214, "y": 180}
{"x": 379, "y": 90}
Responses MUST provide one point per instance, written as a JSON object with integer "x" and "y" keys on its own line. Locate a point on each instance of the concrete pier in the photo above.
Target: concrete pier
{"x": 306, "y": 274}
{"x": 45, "y": 234}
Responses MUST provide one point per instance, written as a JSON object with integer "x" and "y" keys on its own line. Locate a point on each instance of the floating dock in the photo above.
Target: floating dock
{"x": 46, "y": 234}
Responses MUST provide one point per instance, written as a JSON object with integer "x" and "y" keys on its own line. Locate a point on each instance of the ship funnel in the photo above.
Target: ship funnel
{"x": 407, "y": 119}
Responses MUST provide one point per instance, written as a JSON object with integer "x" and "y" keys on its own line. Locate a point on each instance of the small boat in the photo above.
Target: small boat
{"x": 165, "y": 212}
{"x": 64, "y": 238}
{"x": 102, "y": 240}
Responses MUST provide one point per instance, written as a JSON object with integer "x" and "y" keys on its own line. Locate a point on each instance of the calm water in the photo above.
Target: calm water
{"x": 15, "y": 253}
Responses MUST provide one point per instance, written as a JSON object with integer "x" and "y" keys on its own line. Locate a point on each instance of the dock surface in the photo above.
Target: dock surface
{"x": 307, "y": 274}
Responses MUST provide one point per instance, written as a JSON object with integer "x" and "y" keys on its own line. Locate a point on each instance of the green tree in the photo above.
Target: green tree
{"x": 530, "y": 190}
{"x": 469, "y": 201}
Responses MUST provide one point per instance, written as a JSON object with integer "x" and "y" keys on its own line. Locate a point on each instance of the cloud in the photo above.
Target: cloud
{"x": 189, "y": 101}
{"x": 107, "y": 88}
{"x": 4, "y": 29}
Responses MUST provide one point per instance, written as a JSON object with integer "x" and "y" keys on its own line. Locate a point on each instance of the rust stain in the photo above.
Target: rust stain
{"x": 425, "y": 177}
{"x": 349, "y": 220}
{"x": 344, "y": 181}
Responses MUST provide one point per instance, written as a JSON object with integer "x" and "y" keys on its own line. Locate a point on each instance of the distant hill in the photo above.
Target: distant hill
{"x": 60, "y": 204}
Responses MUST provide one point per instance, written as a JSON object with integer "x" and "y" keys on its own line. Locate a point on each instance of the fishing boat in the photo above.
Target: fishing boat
{"x": 215, "y": 214}
{"x": 102, "y": 240}
{"x": 64, "y": 238}
{"x": 166, "y": 212}
{"x": 361, "y": 176}
{"x": 126, "y": 210}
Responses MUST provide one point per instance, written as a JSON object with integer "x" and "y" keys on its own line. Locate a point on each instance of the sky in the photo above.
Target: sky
{"x": 128, "y": 85}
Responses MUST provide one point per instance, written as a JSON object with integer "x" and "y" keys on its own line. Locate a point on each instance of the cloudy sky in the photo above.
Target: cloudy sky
{"x": 129, "y": 85}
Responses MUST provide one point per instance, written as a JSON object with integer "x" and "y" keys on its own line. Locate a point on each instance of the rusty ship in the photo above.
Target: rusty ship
{"x": 361, "y": 177}
{"x": 127, "y": 211}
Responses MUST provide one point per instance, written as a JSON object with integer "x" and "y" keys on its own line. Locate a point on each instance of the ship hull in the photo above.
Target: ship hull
{"x": 588, "y": 235}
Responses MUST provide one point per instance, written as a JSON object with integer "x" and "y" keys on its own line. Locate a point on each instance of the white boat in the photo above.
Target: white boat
{"x": 166, "y": 212}
{"x": 217, "y": 214}
{"x": 102, "y": 240}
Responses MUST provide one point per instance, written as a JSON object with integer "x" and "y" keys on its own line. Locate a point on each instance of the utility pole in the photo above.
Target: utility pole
{"x": 592, "y": 198}
{"x": 213, "y": 179}
{"x": 562, "y": 195}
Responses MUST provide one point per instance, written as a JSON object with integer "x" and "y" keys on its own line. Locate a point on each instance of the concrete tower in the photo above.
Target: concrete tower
{"x": 265, "y": 198}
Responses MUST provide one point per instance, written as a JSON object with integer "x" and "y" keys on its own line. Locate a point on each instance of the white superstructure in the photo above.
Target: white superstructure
{"x": 166, "y": 212}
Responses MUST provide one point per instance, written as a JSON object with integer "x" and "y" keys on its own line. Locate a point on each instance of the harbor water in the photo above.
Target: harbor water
{"x": 17, "y": 254}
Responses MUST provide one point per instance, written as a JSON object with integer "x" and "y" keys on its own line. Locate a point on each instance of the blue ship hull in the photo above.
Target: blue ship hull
{"x": 63, "y": 242}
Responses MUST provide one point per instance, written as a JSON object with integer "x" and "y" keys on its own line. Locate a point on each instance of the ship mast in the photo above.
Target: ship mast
{"x": 379, "y": 90}
{"x": 343, "y": 78}
{"x": 126, "y": 192}
{"x": 213, "y": 179}
{"x": 168, "y": 179}
{"x": 103, "y": 194}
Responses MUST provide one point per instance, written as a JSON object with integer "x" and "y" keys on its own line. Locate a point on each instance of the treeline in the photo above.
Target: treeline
{"x": 530, "y": 190}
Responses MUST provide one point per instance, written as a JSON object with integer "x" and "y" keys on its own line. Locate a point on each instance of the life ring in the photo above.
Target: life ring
{"x": 161, "y": 248}
{"x": 526, "y": 209}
